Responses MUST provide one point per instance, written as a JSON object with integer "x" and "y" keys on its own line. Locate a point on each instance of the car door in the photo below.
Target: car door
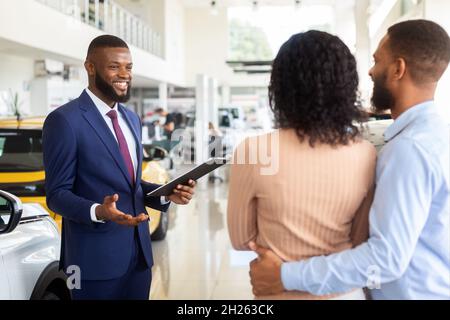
{"x": 5, "y": 293}
{"x": 29, "y": 249}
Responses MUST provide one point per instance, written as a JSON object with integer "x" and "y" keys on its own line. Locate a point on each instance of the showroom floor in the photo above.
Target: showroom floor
{"x": 196, "y": 260}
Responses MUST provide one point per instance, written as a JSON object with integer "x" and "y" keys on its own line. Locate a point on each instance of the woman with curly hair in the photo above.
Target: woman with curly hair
{"x": 317, "y": 201}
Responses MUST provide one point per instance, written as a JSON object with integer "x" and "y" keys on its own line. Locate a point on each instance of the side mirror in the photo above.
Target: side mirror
{"x": 154, "y": 153}
{"x": 10, "y": 212}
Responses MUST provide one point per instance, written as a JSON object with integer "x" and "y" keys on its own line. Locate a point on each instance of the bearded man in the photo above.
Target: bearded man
{"x": 93, "y": 164}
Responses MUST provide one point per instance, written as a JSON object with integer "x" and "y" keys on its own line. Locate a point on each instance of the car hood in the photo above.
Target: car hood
{"x": 33, "y": 210}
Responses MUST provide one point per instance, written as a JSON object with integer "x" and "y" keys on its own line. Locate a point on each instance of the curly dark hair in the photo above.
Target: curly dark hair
{"x": 314, "y": 89}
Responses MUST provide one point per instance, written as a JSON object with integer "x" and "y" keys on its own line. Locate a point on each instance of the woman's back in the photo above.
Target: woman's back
{"x": 312, "y": 205}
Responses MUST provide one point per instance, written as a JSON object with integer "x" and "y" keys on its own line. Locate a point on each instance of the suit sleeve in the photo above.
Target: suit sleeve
{"x": 153, "y": 202}
{"x": 60, "y": 162}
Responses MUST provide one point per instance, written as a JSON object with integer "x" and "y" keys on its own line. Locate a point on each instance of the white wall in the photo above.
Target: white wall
{"x": 392, "y": 17}
{"x": 48, "y": 30}
{"x": 438, "y": 11}
{"x": 175, "y": 41}
{"x": 344, "y": 22}
{"x": 206, "y": 43}
{"x": 364, "y": 50}
{"x": 16, "y": 74}
{"x": 49, "y": 93}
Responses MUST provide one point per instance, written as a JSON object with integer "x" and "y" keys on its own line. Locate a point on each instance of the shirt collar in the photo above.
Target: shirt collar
{"x": 408, "y": 117}
{"x": 102, "y": 107}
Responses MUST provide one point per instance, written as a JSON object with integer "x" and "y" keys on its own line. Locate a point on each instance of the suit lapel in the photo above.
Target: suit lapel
{"x": 138, "y": 150}
{"x": 95, "y": 119}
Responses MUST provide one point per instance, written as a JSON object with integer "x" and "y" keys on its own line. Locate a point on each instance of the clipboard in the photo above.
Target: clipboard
{"x": 194, "y": 174}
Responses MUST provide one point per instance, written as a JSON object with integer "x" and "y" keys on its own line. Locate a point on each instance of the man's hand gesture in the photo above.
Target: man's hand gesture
{"x": 109, "y": 212}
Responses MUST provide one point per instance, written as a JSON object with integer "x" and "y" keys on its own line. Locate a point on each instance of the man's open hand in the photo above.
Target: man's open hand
{"x": 183, "y": 194}
{"x": 109, "y": 212}
{"x": 265, "y": 272}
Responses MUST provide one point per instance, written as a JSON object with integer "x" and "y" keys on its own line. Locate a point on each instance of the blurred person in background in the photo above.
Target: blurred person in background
{"x": 167, "y": 120}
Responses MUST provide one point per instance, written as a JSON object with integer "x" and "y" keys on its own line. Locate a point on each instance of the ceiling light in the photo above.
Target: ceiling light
{"x": 298, "y": 4}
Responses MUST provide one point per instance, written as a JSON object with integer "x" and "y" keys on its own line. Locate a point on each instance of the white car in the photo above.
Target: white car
{"x": 29, "y": 253}
{"x": 237, "y": 115}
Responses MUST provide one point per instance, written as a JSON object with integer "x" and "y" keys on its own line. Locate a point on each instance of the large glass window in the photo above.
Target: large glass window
{"x": 257, "y": 34}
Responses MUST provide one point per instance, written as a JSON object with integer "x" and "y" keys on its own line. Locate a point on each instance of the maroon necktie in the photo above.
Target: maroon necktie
{"x": 123, "y": 146}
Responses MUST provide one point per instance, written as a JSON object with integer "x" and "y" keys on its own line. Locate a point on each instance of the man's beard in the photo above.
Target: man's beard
{"x": 382, "y": 98}
{"x": 108, "y": 90}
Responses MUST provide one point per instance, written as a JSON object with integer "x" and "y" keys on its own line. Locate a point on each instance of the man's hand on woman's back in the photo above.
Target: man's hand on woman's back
{"x": 265, "y": 272}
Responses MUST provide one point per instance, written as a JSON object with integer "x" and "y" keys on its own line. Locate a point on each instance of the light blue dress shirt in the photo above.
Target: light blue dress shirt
{"x": 408, "y": 253}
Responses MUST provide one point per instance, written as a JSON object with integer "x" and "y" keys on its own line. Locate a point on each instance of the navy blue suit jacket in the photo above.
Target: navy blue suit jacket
{"x": 83, "y": 164}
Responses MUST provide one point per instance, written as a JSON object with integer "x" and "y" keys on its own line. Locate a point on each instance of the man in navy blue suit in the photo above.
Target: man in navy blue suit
{"x": 93, "y": 164}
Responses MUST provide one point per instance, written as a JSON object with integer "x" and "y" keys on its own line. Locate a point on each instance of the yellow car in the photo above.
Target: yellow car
{"x": 22, "y": 168}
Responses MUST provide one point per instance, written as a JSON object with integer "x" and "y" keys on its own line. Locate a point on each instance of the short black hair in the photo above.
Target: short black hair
{"x": 424, "y": 45}
{"x": 106, "y": 41}
{"x": 314, "y": 89}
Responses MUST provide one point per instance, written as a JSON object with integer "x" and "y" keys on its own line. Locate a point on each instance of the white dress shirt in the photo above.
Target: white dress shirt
{"x": 103, "y": 108}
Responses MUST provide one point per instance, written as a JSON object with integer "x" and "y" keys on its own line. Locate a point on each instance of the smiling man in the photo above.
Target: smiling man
{"x": 93, "y": 163}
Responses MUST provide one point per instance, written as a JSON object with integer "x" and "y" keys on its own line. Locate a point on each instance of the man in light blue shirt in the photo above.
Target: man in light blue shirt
{"x": 407, "y": 255}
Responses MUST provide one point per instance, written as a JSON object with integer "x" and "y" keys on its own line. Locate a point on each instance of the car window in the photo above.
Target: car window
{"x": 21, "y": 150}
{"x": 224, "y": 121}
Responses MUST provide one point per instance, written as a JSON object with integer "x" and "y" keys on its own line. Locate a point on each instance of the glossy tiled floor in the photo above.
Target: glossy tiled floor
{"x": 196, "y": 260}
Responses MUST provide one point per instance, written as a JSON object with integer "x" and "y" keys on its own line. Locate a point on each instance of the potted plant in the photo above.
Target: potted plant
{"x": 13, "y": 104}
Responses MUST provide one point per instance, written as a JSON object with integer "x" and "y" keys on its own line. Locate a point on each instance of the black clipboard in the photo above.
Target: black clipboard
{"x": 194, "y": 174}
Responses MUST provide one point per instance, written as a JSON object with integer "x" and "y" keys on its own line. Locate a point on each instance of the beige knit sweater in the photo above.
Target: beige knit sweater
{"x": 315, "y": 202}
